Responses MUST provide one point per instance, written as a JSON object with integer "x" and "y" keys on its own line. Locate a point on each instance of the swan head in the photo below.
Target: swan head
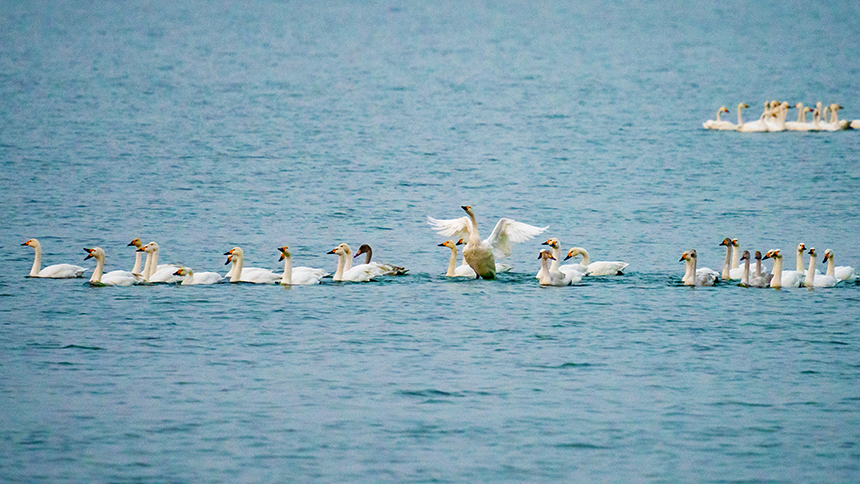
{"x": 545, "y": 254}
{"x": 799, "y": 105}
{"x": 32, "y": 243}
{"x": 449, "y": 244}
{"x": 136, "y": 242}
{"x": 812, "y": 252}
{"x": 340, "y": 250}
{"x": 468, "y": 209}
{"x": 773, "y": 254}
{"x": 553, "y": 242}
{"x": 828, "y": 254}
{"x": 735, "y": 243}
{"x": 184, "y": 271}
{"x": 235, "y": 251}
{"x": 724, "y": 109}
{"x": 285, "y": 252}
{"x": 364, "y": 249}
{"x": 693, "y": 254}
{"x": 746, "y": 255}
{"x": 801, "y": 248}
{"x": 685, "y": 256}
{"x": 758, "y": 255}
{"x": 727, "y": 242}
{"x": 96, "y": 253}
{"x": 743, "y": 106}
{"x": 149, "y": 248}
{"x": 230, "y": 258}
{"x": 460, "y": 242}
{"x": 575, "y": 251}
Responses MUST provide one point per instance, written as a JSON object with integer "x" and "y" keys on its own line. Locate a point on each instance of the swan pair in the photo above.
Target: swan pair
{"x": 574, "y": 272}
{"x": 818, "y": 280}
{"x": 152, "y": 270}
{"x": 481, "y": 254}
{"x": 731, "y": 266}
{"x": 257, "y": 275}
{"x": 695, "y": 276}
{"x": 464, "y": 269}
{"x": 56, "y": 271}
{"x": 112, "y": 278}
{"x": 366, "y": 272}
{"x": 547, "y": 276}
{"x": 758, "y": 279}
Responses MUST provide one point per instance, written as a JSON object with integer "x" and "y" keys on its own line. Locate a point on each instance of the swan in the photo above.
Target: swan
{"x": 573, "y": 271}
{"x": 550, "y": 276}
{"x": 776, "y": 121}
{"x": 298, "y": 275}
{"x": 453, "y": 269}
{"x": 800, "y": 124}
{"x": 138, "y": 255}
{"x": 755, "y": 280}
{"x": 256, "y": 275}
{"x": 781, "y": 278}
{"x": 833, "y": 124}
{"x": 754, "y": 126}
{"x": 727, "y": 264}
{"x": 155, "y": 272}
{"x": 597, "y": 268}
{"x": 56, "y": 271}
{"x": 719, "y": 124}
{"x": 387, "y": 269}
{"x": 817, "y": 280}
{"x": 112, "y": 278}
{"x": 189, "y": 277}
{"x": 694, "y": 276}
{"x": 345, "y": 271}
{"x": 843, "y": 273}
{"x": 480, "y": 254}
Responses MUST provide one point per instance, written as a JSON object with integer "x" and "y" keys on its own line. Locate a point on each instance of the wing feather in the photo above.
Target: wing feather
{"x": 459, "y": 228}
{"x": 509, "y": 231}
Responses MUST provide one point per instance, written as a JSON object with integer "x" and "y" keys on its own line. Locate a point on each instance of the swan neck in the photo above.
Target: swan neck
{"x": 777, "y": 273}
{"x": 147, "y": 267}
{"x": 745, "y": 278}
{"x": 727, "y": 262}
{"x": 831, "y": 267}
{"x": 758, "y": 267}
{"x": 287, "y": 279}
{"x": 800, "y": 262}
{"x": 586, "y": 259}
{"x": 238, "y": 262}
{"x": 545, "y": 278}
{"x": 556, "y": 252}
{"x": 137, "y": 257}
{"x": 368, "y": 256}
{"x": 37, "y": 262}
{"x": 736, "y": 256}
{"x": 97, "y": 272}
{"x": 341, "y": 267}
{"x": 474, "y": 237}
{"x": 740, "y": 116}
{"x": 810, "y": 275}
{"x": 452, "y": 263}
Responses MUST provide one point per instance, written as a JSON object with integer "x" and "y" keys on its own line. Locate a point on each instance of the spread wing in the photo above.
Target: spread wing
{"x": 457, "y": 227}
{"x": 509, "y": 231}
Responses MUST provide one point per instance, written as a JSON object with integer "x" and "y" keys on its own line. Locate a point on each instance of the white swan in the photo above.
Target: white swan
{"x": 56, "y": 271}
{"x": 801, "y": 124}
{"x": 298, "y": 275}
{"x": 155, "y": 272}
{"x": 727, "y": 264}
{"x": 693, "y": 276}
{"x": 345, "y": 271}
{"x": 754, "y": 280}
{"x": 754, "y": 126}
{"x": 573, "y": 271}
{"x": 256, "y": 275}
{"x": 453, "y": 269}
{"x": 549, "y": 276}
{"x": 843, "y": 273}
{"x": 780, "y": 277}
{"x": 189, "y": 277}
{"x": 833, "y": 124}
{"x": 719, "y": 124}
{"x": 776, "y": 121}
{"x": 138, "y": 255}
{"x": 112, "y": 278}
{"x": 817, "y": 280}
{"x": 480, "y": 254}
{"x": 387, "y": 269}
{"x": 597, "y": 268}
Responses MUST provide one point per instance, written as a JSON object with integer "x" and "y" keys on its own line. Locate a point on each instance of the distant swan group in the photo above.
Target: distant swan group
{"x": 774, "y": 119}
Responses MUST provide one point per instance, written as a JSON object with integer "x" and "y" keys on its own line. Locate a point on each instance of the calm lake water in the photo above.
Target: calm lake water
{"x": 207, "y": 125}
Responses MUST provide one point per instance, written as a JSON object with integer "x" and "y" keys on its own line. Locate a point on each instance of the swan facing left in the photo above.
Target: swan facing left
{"x": 481, "y": 254}
{"x": 56, "y": 271}
{"x": 549, "y": 276}
{"x": 298, "y": 275}
{"x": 112, "y": 278}
{"x": 695, "y": 276}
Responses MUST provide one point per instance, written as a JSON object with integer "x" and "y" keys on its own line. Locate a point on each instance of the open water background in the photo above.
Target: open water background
{"x": 205, "y": 125}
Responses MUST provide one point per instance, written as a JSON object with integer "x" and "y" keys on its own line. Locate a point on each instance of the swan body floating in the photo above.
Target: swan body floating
{"x": 346, "y": 272}
{"x": 386, "y": 269}
{"x": 298, "y": 275}
{"x": 453, "y": 269}
{"x": 833, "y": 124}
{"x": 776, "y": 121}
{"x": 781, "y": 278}
{"x": 800, "y": 124}
{"x": 719, "y": 124}
{"x": 480, "y": 254}
{"x": 843, "y": 273}
{"x": 112, "y": 278}
{"x": 572, "y": 271}
{"x": 189, "y": 277}
{"x": 754, "y": 280}
{"x": 256, "y": 275}
{"x": 754, "y": 126}
{"x": 550, "y": 276}
{"x": 694, "y": 276}
{"x": 56, "y": 271}
{"x": 817, "y": 280}
{"x": 152, "y": 271}
{"x": 597, "y": 268}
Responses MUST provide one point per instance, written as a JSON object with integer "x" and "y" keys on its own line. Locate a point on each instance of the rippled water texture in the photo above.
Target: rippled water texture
{"x": 204, "y": 126}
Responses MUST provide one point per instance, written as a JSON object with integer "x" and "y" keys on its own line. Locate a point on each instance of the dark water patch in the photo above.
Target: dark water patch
{"x": 582, "y": 446}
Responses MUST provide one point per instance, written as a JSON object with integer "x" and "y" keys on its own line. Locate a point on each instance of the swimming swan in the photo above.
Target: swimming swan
{"x": 298, "y": 275}
{"x": 801, "y": 124}
{"x": 56, "y": 271}
{"x": 817, "y": 280}
{"x": 256, "y": 275}
{"x": 112, "y": 278}
{"x": 843, "y": 273}
{"x": 719, "y": 124}
{"x": 693, "y": 276}
{"x": 781, "y": 278}
{"x": 345, "y": 271}
{"x": 597, "y": 268}
{"x": 155, "y": 272}
{"x": 480, "y": 254}
{"x": 754, "y": 280}
{"x": 387, "y": 269}
{"x": 453, "y": 269}
{"x": 189, "y": 277}
{"x": 573, "y": 271}
{"x": 754, "y": 126}
{"x": 549, "y": 276}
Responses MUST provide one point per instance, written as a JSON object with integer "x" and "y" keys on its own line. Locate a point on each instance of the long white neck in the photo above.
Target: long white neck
{"x": 474, "y": 237}
{"x": 287, "y": 278}
{"x": 740, "y": 117}
{"x": 831, "y": 266}
{"x": 745, "y": 278}
{"x": 37, "y": 262}
{"x": 687, "y": 277}
{"x": 777, "y": 272}
{"x": 727, "y": 262}
{"x": 188, "y": 278}
{"x": 810, "y": 275}
{"x": 97, "y": 272}
{"x": 137, "y": 257}
{"x": 816, "y": 119}
{"x": 586, "y": 260}
{"x": 147, "y": 267}
{"x": 693, "y": 264}
{"x": 238, "y": 262}
{"x": 719, "y": 112}
{"x": 800, "y": 261}
{"x": 801, "y": 114}
{"x": 452, "y": 263}
{"x": 341, "y": 267}
{"x": 347, "y": 262}
{"x": 736, "y": 256}
{"x": 556, "y": 252}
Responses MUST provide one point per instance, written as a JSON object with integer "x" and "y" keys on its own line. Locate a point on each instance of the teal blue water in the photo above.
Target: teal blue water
{"x": 204, "y": 126}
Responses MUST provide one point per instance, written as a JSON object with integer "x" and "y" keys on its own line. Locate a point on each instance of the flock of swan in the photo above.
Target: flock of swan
{"x": 777, "y": 278}
{"x": 773, "y": 118}
{"x": 478, "y": 261}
